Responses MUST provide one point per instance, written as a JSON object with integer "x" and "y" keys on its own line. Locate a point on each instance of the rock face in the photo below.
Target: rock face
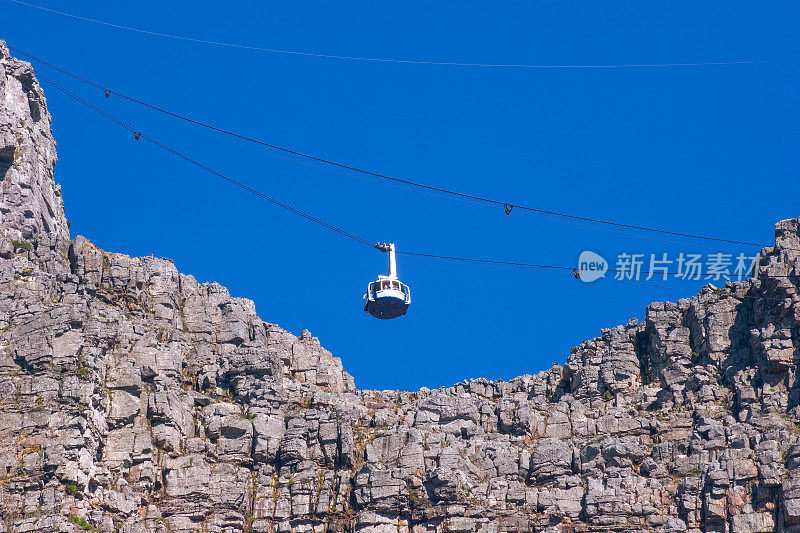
{"x": 135, "y": 399}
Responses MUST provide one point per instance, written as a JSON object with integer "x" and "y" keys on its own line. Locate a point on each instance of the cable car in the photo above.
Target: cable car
{"x": 387, "y": 297}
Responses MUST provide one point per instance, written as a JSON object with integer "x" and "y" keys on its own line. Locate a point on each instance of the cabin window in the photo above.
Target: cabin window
{"x": 386, "y": 284}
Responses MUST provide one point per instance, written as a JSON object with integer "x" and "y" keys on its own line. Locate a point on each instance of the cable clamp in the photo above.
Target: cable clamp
{"x": 508, "y": 208}
{"x": 108, "y": 93}
{"x": 137, "y": 135}
{"x": 576, "y": 273}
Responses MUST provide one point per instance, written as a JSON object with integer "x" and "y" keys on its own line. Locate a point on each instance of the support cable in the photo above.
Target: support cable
{"x": 391, "y": 60}
{"x": 489, "y": 262}
{"x": 507, "y": 206}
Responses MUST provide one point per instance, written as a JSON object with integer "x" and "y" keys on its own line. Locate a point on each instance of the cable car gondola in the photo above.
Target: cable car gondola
{"x": 387, "y": 297}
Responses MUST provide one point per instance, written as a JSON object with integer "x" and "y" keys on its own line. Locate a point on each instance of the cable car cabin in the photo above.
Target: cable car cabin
{"x": 387, "y": 298}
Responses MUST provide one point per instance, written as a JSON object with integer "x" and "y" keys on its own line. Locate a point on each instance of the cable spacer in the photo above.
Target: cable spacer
{"x": 508, "y": 208}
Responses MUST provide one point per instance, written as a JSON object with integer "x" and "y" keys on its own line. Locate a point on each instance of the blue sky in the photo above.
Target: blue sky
{"x": 710, "y": 149}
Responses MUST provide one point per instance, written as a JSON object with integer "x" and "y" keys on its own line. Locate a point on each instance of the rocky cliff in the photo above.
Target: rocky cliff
{"x": 135, "y": 399}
